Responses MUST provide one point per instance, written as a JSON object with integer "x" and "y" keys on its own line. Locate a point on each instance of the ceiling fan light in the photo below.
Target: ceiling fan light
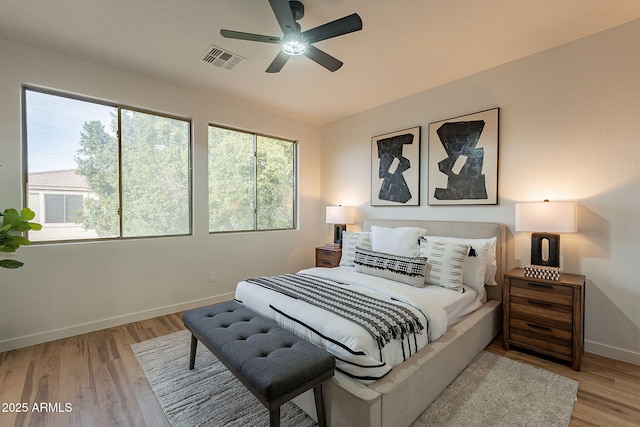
{"x": 294, "y": 47}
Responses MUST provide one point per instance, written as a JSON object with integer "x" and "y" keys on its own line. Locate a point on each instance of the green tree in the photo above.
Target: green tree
{"x": 251, "y": 181}
{"x": 275, "y": 183}
{"x": 97, "y": 162}
{"x": 231, "y": 174}
{"x": 149, "y": 186}
{"x": 155, "y": 175}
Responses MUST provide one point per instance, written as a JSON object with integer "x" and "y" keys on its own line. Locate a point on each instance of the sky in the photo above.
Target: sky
{"x": 54, "y": 124}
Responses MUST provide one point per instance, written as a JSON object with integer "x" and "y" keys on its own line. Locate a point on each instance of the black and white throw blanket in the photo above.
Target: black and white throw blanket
{"x": 370, "y": 324}
{"x": 384, "y": 320}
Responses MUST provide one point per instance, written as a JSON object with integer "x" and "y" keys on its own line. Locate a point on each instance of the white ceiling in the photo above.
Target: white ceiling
{"x": 405, "y": 47}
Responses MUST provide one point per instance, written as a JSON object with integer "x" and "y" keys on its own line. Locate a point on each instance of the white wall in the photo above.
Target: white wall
{"x": 570, "y": 130}
{"x": 71, "y": 288}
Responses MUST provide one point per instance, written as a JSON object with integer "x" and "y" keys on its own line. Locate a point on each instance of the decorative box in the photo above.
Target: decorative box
{"x": 542, "y": 272}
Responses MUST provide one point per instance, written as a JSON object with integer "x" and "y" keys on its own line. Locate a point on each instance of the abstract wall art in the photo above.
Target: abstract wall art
{"x": 395, "y": 168}
{"x": 463, "y": 160}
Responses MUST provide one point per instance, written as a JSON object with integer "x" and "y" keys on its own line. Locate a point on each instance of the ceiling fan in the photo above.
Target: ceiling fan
{"x": 297, "y": 42}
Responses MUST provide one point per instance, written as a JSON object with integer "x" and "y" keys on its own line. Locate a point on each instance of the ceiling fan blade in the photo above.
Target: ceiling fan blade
{"x": 277, "y": 64}
{"x": 249, "y": 36}
{"x": 341, "y": 26}
{"x": 322, "y": 58}
{"x": 284, "y": 15}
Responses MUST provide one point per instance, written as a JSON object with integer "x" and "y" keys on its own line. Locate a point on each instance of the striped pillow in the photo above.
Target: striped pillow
{"x": 409, "y": 270}
{"x": 351, "y": 240}
{"x": 445, "y": 265}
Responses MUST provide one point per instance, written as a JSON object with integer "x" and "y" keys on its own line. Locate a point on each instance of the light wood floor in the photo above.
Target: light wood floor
{"x": 99, "y": 377}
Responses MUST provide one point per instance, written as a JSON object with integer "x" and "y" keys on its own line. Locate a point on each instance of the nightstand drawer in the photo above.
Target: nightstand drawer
{"x": 537, "y": 330}
{"x": 530, "y": 334}
{"x": 328, "y": 257}
{"x": 325, "y": 262}
{"x": 541, "y": 312}
{"x": 558, "y": 294}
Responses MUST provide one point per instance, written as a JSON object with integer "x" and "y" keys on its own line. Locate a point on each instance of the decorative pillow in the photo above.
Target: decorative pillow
{"x": 480, "y": 269}
{"x": 474, "y": 266}
{"x": 445, "y": 264}
{"x": 409, "y": 270}
{"x": 403, "y": 241}
{"x": 351, "y": 240}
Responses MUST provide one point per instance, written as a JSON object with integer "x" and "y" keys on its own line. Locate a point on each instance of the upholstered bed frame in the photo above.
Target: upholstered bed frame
{"x": 403, "y": 394}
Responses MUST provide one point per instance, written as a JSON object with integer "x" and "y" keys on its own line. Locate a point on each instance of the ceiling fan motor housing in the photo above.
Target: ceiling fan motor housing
{"x": 297, "y": 8}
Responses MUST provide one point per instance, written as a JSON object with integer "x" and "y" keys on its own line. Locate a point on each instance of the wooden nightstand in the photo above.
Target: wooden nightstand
{"x": 545, "y": 316}
{"x": 328, "y": 256}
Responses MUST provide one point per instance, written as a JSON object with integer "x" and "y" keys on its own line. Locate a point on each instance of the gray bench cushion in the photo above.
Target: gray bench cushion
{"x": 271, "y": 359}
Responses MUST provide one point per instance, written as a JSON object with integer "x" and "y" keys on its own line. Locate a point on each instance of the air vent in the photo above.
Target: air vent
{"x": 221, "y": 58}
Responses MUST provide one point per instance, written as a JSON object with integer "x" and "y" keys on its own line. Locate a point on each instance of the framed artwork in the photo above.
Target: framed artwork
{"x": 395, "y": 168}
{"x": 463, "y": 160}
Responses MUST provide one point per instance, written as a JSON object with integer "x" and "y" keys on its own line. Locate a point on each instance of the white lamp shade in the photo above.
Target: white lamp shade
{"x": 340, "y": 215}
{"x": 550, "y": 217}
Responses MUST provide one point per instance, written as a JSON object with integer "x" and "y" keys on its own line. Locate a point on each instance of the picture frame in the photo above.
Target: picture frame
{"x": 395, "y": 168}
{"x": 463, "y": 159}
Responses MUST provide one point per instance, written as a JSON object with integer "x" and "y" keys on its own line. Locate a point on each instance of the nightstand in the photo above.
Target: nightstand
{"x": 545, "y": 316}
{"x": 327, "y": 256}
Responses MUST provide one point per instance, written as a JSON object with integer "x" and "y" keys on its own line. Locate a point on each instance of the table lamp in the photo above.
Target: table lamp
{"x": 546, "y": 220}
{"x": 339, "y": 216}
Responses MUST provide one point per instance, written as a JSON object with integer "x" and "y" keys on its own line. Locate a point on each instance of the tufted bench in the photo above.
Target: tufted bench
{"x": 274, "y": 364}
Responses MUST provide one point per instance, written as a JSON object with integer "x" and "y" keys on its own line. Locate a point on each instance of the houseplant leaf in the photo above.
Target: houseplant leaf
{"x": 19, "y": 240}
{"x": 10, "y": 263}
{"x": 27, "y": 214}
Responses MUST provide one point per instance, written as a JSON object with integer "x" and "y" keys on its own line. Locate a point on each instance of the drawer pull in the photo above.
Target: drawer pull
{"x": 543, "y": 304}
{"x": 544, "y": 328}
{"x": 540, "y": 285}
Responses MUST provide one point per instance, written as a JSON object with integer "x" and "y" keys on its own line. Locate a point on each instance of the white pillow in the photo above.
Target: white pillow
{"x": 351, "y": 240}
{"x": 485, "y": 250}
{"x": 445, "y": 262}
{"x": 403, "y": 241}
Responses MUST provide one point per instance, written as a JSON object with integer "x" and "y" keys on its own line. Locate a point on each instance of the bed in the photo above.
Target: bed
{"x": 388, "y": 382}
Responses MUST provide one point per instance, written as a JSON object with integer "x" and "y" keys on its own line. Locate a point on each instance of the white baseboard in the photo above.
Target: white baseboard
{"x": 39, "y": 338}
{"x": 612, "y": 352}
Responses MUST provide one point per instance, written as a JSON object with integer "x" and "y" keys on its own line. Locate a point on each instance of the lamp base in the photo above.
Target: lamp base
{"x": 337, "y": 233}
{"x": 553, "y": 240}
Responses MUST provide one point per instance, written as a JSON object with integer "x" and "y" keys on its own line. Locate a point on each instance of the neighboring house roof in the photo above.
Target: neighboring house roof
{"x": 58, "y": 180}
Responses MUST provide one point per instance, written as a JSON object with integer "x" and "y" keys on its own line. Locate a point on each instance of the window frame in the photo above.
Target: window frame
{"x": 119, "y": 107}
{"x": 295, "y": 156}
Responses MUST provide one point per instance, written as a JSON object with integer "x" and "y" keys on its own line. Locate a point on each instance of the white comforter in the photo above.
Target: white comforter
{"x": 357, "y": 353}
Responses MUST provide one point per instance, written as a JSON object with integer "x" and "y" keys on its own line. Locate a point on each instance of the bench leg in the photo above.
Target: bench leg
{"x": 192, "y": 356}
{"x": 320, "y": 413}
{"x": 274, "y": 417}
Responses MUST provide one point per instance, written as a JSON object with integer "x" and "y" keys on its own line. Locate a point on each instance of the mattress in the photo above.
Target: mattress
{"x": 457, "y": 305}
{"x": 358, "y": 355}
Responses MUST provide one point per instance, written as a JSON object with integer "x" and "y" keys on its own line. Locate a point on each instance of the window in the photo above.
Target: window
{"x": 96, "y": 170}
{"x": 62, "y": 208}
{"x": 251, "y": 181}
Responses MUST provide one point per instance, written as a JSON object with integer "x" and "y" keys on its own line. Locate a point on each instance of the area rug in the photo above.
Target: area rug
{"x": 491, "y": 391}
